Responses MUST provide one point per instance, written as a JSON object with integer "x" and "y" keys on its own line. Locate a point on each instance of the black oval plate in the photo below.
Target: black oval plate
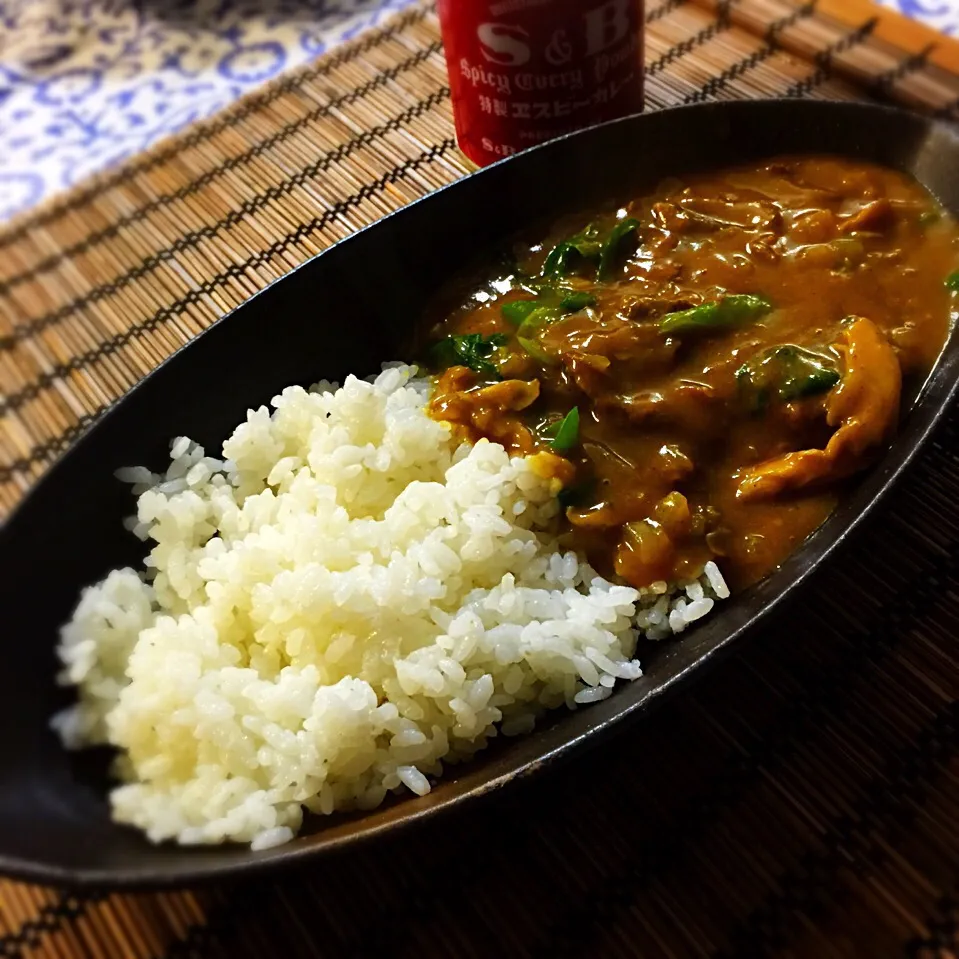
{"x": 347, "y": 310}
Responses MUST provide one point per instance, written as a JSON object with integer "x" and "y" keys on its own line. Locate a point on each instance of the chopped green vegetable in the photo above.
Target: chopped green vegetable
{"x": 586, "y": 245}
{"x": 952, "y": 281}
{"x": 537, "y": 319}
{"x": 530, "y": 316}
{"x": 558, "y": 261}
{"x": 518, "y": 310}
{"x": 730, "y": 311}
{"x": 590, "y": 245}
{"x": 785, "y": 373}
{"x": 850, "y": 252}
{"x": 929, "y": 217}
{"x": 565, "y": 433}
{"x": 576, "y": 301}
{"x": 611, "y": 248}
{"x": 535, "y": 350}
{"x": 842, "y": 254}
{"x": 470, "y": 349}
{"x": 817, "y": 381}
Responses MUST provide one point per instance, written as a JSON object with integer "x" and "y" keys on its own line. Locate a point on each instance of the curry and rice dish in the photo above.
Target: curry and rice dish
{"x": 638, "y": 412}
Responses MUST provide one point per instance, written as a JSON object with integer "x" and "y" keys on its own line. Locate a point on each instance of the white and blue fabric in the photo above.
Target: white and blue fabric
{"x": 86, "y": 83}
{"x": 943, "y": 15}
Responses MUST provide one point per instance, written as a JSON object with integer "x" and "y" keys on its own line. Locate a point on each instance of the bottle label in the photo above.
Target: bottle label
{"x": 526, "y": 71}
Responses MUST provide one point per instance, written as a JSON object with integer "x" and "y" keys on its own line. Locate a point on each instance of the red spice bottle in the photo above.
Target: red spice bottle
{"x": 525, "y": 71}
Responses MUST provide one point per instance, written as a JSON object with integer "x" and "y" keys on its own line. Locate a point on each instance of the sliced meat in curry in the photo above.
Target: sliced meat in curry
{"x": 711, "y": 363}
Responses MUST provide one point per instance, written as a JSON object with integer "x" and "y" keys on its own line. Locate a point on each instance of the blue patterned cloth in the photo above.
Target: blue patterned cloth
{"x": 941, "y": 14}
{"x": 86, "y": 83}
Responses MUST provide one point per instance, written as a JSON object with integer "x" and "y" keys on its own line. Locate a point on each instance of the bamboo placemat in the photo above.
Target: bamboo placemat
{"x": 801, "y": 801}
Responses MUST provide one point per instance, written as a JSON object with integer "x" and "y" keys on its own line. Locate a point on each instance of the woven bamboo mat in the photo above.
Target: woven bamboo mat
{"x": 802, "y": 801}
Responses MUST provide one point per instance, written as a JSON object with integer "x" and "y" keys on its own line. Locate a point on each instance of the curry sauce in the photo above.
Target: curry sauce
{"x": 703, "y": 369}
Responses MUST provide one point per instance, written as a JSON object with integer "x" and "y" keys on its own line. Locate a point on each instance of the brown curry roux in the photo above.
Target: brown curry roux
{"x": 721, "y": 433}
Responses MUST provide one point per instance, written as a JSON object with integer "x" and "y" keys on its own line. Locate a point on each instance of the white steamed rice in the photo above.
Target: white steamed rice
{"x": 344, "y": 602}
